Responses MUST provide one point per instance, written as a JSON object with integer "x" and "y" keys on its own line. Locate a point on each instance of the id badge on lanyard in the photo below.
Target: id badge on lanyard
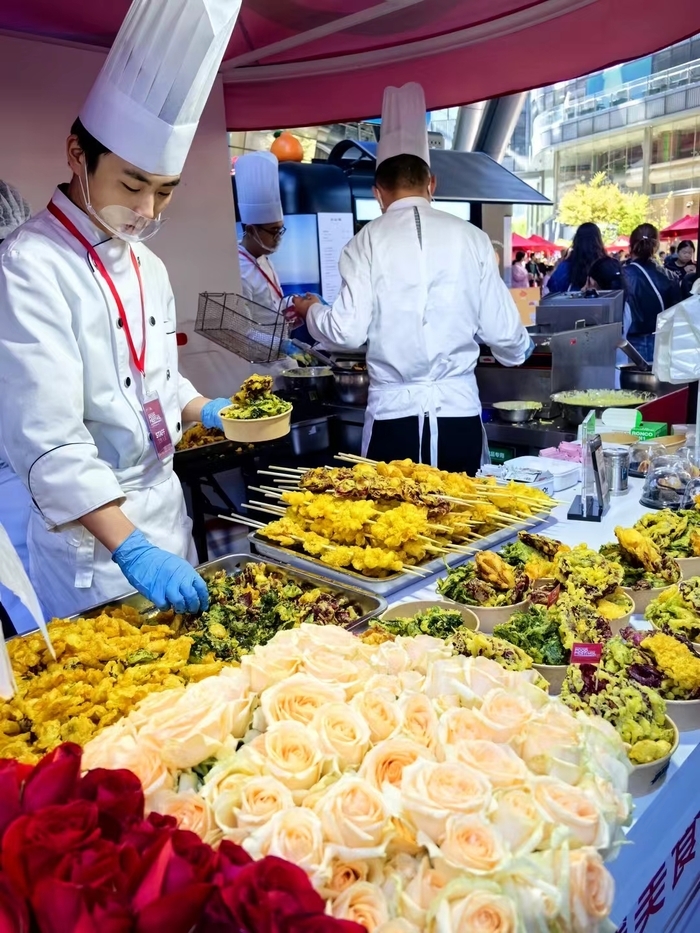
{"x": 152, "y": 408}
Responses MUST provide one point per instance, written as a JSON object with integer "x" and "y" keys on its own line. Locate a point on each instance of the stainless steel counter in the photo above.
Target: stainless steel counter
{"x": 534, "y": 435}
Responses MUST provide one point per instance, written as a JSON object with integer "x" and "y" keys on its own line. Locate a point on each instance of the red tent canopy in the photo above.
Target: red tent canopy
{"x": 304, "y": 62}
{"x": 685, "y": 227}
{"x": 519, "y": 242}
{"x": 622, "y": 242}
{"x": 540, "y": 245}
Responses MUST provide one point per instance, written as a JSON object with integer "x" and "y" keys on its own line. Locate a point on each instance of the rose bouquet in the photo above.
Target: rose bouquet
{"x": 78, "y": 855}
{"x": 419, "y": 790}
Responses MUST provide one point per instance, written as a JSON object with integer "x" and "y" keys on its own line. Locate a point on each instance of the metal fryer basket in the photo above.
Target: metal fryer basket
{"x": 246, "y": 328}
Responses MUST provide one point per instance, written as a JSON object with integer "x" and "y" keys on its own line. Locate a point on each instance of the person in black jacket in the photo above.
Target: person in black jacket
{"x": 650, "y": 288}
{"x": 683, "y": 262}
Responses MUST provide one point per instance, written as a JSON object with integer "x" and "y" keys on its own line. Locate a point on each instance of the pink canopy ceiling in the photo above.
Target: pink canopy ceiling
{"x": 304, "y": 62}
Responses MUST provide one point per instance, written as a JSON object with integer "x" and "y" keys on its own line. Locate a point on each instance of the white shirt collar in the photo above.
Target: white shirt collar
{"x": 408, "y": 202}
{"x": 81, "y": 220}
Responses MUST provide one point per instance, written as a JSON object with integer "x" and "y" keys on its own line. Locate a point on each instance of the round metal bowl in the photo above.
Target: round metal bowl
{"x": 575, "y": 413}
{"x": 507, "y": 412}
{"x": 315, "y": 380}
{"x": 351, "y": 381}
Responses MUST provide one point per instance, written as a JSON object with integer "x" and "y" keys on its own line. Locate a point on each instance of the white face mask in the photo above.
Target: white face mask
{"x": 121, "y": 221}
{"x": 266, "y": 249}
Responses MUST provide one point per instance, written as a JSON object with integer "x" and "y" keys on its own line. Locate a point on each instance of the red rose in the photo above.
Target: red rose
{"x": 12, "y": 776}
{"x": 35, "y": 845}
{"x": 61, "y": 907}
{"x": 54, "y": 780}
{"x": 230, "y": 859}
{"x": 14, "y": 915}
{"x": 320, "y": 923}
{"x": 178, "y": 912}
{"x": 267, "y": 892}
{"x": 118, "y": 796}
{"x": 178, "y": 860}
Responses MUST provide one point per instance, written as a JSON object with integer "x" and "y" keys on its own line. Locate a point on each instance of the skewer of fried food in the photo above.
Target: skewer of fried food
{"x": 259, "y": 507}
{"x": 283, "y": 469}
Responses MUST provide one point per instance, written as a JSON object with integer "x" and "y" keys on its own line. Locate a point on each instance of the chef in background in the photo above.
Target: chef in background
{"x": 423, "y": 289}
{"x": 15, "y": 502}
{"x": 91, "y": 399}
{"x": 260, "y": 209}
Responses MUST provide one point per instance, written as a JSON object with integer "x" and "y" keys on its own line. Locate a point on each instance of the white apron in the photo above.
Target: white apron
{"x": 15, "y": 506}
{"x": 72, "y": 572}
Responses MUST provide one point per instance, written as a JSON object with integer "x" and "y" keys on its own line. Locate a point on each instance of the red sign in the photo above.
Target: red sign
{"x": 586, "y": 654}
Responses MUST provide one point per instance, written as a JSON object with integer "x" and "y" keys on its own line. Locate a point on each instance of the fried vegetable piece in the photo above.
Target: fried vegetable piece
{"x": 494, "y": 570}
{"x": 588, "y": 571}
{"x": 639, "y": 547}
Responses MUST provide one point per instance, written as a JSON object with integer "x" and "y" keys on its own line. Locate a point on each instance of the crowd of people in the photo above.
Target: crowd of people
{"x": 652, "y": 280}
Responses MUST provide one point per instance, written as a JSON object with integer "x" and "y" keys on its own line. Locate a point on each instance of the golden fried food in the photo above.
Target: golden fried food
{"x": 103, "y": 668}
{"x": 199, "y": 436}
{"x": 494, "y": 570}
{"x": 641, "y": 548}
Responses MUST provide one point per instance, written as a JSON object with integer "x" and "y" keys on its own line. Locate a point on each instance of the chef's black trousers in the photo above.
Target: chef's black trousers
{"x": 459, "y": 442}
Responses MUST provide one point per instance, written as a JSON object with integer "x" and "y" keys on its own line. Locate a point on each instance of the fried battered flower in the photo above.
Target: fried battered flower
{"x": 494, "y": 570}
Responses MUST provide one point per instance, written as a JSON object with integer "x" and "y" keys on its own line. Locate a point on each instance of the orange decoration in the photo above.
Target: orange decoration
{"x": 287, "y": 148}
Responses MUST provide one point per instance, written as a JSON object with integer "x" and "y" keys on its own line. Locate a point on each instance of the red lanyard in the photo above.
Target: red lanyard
{"x": 272, "y": 283}
{"x": 139, "y": 359}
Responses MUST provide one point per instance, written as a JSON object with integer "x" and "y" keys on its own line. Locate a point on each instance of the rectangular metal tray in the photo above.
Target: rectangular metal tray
{"x": 394, "y": 583}
{"x": 370, "y": 604}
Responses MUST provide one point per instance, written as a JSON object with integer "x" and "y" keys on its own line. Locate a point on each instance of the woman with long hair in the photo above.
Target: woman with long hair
{"x": 518, "y": 274}
{"x": 682, "y": 262}
{"x": 651, "y": 289}
{"x": 571, "y": 274}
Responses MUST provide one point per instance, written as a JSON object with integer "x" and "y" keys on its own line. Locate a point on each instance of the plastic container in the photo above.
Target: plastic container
{"x": 647, "y": 778}
{"x": 685, "y": 714}
{"x": 666, "y": 482}
{"x": 642, "y": 455}
{"x": 257, "y": 430}
{"x": 412, "y": 608}
{"x": 565, "y": 473}
{"x": 642, "y": 598}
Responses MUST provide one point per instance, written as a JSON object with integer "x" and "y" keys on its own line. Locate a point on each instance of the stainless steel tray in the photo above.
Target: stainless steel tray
{"x": 385, "y": 586}
{"x": 371, "y": 605}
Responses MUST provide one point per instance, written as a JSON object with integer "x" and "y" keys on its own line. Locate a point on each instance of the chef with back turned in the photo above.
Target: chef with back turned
{"x": 91, "y": 399}
{"x": 422, "y": 288}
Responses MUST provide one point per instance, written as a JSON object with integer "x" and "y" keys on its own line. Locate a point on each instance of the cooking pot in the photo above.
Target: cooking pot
{"x": 634, "y": 380}
{"x": 351, "y": 382}
{"x": 315, "y": 381}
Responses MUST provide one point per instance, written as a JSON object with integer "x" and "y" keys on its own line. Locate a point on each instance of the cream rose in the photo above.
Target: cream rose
{"x": 292, "y": 756}
{"x": 397, "y": 926}
{"x": 153, "y": 705}
{"x": 471, "y": 843}
{"x": 190, "y": 810}
{"x": 417, "y": 896}
{"x": 419, "y": 721}
{"x": 431, "y": 793}
{"x": 572, "y": 809}
{"x": 270, "y": 664}
{"x": 325, "y": 665}
{"x": 591, "y": 890}
{"x": 333, "y": 637}
{"x": 504, "y": 714}
{"x": 341, "y": 875}
{"x": 460, "y": 724}
{"x": 385, "y": 763}
{"x": 354, "y": 818}
{"x": 424, "y": 650}
{"x": 243, "y": 810}
{"x": 343, "y": 734}
{"x": 298, "y": 699}
{"x": 294, "y": 835}
{"x": 551, "y": 747}
{"x": 199, "y": 722}
{"x": 378, "y": 709}
{"x": 231, "y": 772}
{"x": 390, "y": 658}
{"x": 364, "y": 903}
{"x": 479, "y": 911}
{"x": 518, "y": 819}
{"x": 498, "y": 763}
{"x": 115, "y": 748}
{"x": 483, "y": 674}
{"x": 446, "y": 682}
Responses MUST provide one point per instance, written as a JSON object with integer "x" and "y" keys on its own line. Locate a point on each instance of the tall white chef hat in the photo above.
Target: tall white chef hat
{"x": 404, "y": 130}
{"x": 258, "y": 188}
{"x": 149, "y": 96}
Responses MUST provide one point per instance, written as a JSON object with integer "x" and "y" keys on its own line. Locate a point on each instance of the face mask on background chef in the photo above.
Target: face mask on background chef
{"x": 268, "y": 237}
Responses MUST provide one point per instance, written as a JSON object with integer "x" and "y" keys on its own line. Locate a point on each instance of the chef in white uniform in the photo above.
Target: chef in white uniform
{"x": 422, "y": 288}
{"x": 260, "y": 209}
{"x": 91, "y": 399}
{"x": 15, "y": 502}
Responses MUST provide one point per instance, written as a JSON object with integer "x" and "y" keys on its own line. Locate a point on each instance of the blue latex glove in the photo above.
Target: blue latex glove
{"x": 530, "y": 349}
{"x": 210, "y": 413}
{"x": 167, "y": 580}
{"x": 287, "y": 348}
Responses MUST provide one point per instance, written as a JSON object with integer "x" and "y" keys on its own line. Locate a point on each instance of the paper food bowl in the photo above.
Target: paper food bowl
{"x": 491, "y": 616}
{"x": 645, "y": 779}
{"x": 655, "y": 628}
{"x": 642, "y": 598}
{"x": 257, "y": 430}
{"x": 555, "y": 674}
{"x": 409, "y": 609}
{"x": 616, "y": 625}
{"x": 690, "y": 567}
{"x": 685, "y": 714}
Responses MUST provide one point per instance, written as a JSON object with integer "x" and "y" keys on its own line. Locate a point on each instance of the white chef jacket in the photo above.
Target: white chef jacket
{"x": 266, "y": 294}
{"x": 71, "y": 420}
{"x": 422, "y": 288}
